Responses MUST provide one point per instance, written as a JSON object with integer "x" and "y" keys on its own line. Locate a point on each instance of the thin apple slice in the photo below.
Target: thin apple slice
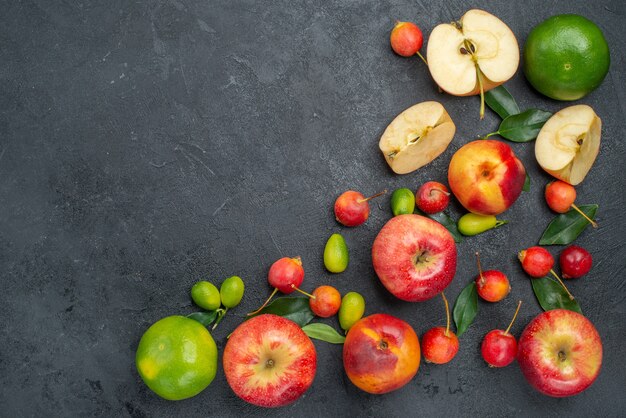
{"x": 416, "y": 137}
{"x": 569, "y": 142}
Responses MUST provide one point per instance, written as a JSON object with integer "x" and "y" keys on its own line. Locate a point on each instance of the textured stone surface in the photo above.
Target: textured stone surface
{"x": 146, "y": 145}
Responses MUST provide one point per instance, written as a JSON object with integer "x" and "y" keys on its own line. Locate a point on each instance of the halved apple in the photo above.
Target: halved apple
{"x": 473, "y": 55}
{"x": 569, "y": 142}
{"x": 416, "y": 137}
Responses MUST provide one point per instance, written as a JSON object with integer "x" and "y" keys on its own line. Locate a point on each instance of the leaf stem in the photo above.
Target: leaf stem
{"x": 519, "y": 305}
{"x": 562, "y": 284}
{"x": 220, "y": 315}
{"x": 591, "y": 221}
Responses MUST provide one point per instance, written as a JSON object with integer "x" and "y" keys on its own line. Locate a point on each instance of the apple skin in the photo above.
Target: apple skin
{"x": 554, "y": 332}
{"x": 381, "y": 353}
{"x": 486, "y": 177}
{"x": 259, "y": 340}
{"x": 404, "y": 240}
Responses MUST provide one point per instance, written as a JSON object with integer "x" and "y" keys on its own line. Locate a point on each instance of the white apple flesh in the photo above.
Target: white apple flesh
{"x": 569, "y": 142}
{"x": 416, "y": 137}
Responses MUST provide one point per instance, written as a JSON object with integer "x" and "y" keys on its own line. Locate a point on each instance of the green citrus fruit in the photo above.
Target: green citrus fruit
{"x": 231, "y": 291}
{"x": 336, "y": 255}
{"x": 566, "y": 57}
{"x": 351, "y": 309}
{"x": 206, "y": 295}
{"x": 177, "y": 358}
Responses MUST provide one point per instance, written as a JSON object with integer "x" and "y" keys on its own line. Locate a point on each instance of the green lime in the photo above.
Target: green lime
{"x": 351, "y": 309}
{"x": 176, "y": 358}
{"x": 336, "y": 254}
{"x": 206, "y": 295}
{"x": 402, "y": 202}
{"x": 566, "y": 57}
{"x": 231, "y": 291}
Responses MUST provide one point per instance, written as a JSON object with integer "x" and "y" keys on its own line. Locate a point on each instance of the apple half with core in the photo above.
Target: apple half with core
{"x": 269, "y": 361}
{"x": 416, "y": 137}
{"x": 486, "y": 177}
{"x": 473, "y": 55}
{"x": 560, "y": 353}
{"x": 381, "y": 353}
{"x": 569, "y": 142}
{"x": 414, "y": 257}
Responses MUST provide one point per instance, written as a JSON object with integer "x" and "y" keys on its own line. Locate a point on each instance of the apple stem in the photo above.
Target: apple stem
{"x": 500, "y": 223}
{"x": 294, "y": 287}
{"x": 419, "y": 54}
{"x": 519, "y": 305}
{"x": 445, "y": 302}
{"x": 265, "y": 304}
{"x": 480, "y": 270}
{"x": 220, "y": 316}
{"x": 562, "y": 284}
{"x": 591, "y": 221}
{"x": 372, "y": 197}
{"x": 479, "y": 75}
{"x": 439, "y": 191}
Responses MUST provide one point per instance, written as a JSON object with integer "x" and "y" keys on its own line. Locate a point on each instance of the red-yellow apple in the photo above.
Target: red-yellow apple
{"x": 560, "y": 353}
{"x": 381, "y": 353}
{"x": 486, "y": 177}
{"x": 414, "y": 257}
{"x": 269, "y": 361}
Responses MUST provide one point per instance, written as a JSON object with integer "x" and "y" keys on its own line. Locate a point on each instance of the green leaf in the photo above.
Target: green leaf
{"x": 465, "y": 308}
{"x": 294, "y": 308}
{"x": 566, "y": 227}
{"x": 205, "y": 318}
{"x": 523, "y": 127}
{"x": 501, "y": 102}
{"x": 526, "y": 187}
{"x": 323, "y": 332}
{"x": 551, "y": 295}
{"x": 445, "y": 220}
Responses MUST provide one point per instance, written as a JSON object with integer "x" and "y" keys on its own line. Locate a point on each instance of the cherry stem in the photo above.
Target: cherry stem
{"x": 591, "y": 221}
{"x": 519, "y": 305}
{"x": 294, "y": 287}
{"x": 265, "y": 304}
{"x": 419, "y": 54}
{"x": 220, "y": 316}
{"x": 445, "y": 302}
{"x": 372, "y": 197}
{"x": 562, "y": 284}
{"x": 480, "y": 270}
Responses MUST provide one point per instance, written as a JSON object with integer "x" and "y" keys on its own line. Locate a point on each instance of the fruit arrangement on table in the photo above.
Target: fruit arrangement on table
{"x": 269, "y": 360}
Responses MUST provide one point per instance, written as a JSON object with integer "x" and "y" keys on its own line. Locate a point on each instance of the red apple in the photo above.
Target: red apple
{"x": 269, "y": 361}
{"x": 486, "y": 176}
{"x": 381, "y": 353}
{"x": 560, "y": 353}
{"x": 414, "y": 257}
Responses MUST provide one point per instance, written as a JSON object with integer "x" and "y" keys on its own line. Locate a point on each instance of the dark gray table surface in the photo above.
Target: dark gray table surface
{"x": 147, "y": 145}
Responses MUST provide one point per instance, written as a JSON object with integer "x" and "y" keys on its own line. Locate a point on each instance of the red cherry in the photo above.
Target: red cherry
{"x": 352, "y": 208}
{"x": 406, "y": 39}
{"x": 491, "y": 285}
{"x": 438, "y": 347}
{"x": 439, "y": 344}
{"x": 560, "y": 197}
{"x": 499, "y": 348}
{"x": 286, "y": 274}
{"x": 575, "y": 262}
{"x": 536, "y": 261}
{"x": 432, "y": 197}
